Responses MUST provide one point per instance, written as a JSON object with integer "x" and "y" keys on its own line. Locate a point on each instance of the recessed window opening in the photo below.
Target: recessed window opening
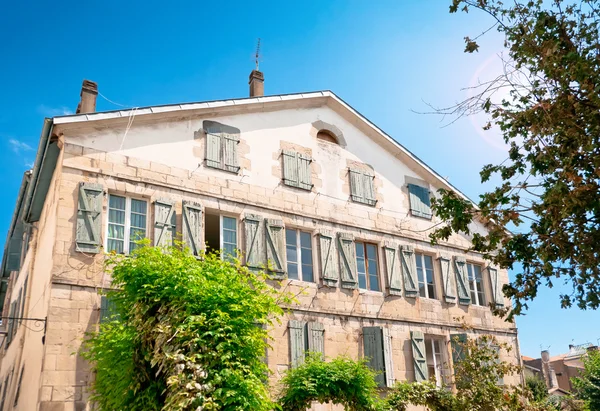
{"x": 425, "y": 275}
{"x": 299, "y": 255}
{"x": 366, "y": 263}
{"x": 476, "y": 284}
{"x": 435, "y": 360}
{"x": 220, "y": 233}
{"x": 326, "y": 135}
{"x": 126, "y": 223}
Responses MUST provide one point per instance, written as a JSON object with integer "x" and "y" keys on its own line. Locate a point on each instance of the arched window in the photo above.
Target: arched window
{"x": 327, "y": 135}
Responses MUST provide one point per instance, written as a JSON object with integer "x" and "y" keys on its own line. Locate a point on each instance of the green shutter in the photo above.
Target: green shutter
{"x": 316, "y": 337}
{"x": 89, "y": 218}
{"x": 387, "y": 357}
{"x": 409, "y": 269}
{"x": 230, "y": 143}
{"x": 165, "y": 223}
{"x": 15, "y": 247}
{"x": 373, "y": 350}
{"x": 347, "y": 253}
{"x": 392, "y": 267}
{"x": 255, "y": 241}
{"x": 368, "y": 183}
{"x": 356, "y": 186}
{"x": 304, "y": 172}
{"x": 297, "y": 341}
{"x": 497, "y": 294}
{"x": 192, "y": 226}
{"x": 290, "y": 168}
{"x": 213, "y": 148}
{"x": 275, "y": 234}
{"x": 419, "y": 355}
{"x": 458, "y": 345}
{"x": 448, "y": 279}
{"x": 420, "y": 202}
{"x": 462, "y": 281}
{"x": 329, "y": 271}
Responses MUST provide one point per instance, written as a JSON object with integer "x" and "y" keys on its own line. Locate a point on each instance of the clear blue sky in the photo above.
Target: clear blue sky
{"x": 385, "y": 58}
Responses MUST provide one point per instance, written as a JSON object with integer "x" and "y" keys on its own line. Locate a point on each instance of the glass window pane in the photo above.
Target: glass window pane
{"x": 290, "y": 237}
{"x": 477, "y": 270}
{"x": 360, "y": 250}
{"x": 115, "y": 245}
{"x": 373, "y": 282}
{"x": 116, "y": 216}
{"x": 136, "y": 234}
{"x": 138, "y": 206}
{"x": 360, "y": 265}
{"x": 116, "y": 202}
{"x": 307, "y": 273}
{"x": 229, "y": 223}
{"x": 229, "y": 251}
{"x": 481, "y": 298}
{"x": 229, "y": 237}
{"x": 116, "y": 231}
{"x": 428, "y": 262}
{"x": 470, "y": 271}
{"x": 362, "y": 281}
{"x": 292, "y": 253}
{"x": 431, "y": 290}
{"x": 292, "y": 271}
{"x": 372, "y": 267}
{"x": 371, "y": 252}
{"x": 306, "y": 256}
{"x": 422, "y": 291}
{"x": 138, "y": 220}
{"x": 305, "y": 240}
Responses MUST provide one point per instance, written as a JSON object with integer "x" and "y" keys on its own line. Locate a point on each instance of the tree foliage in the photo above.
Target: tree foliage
{"x": 537, "y": 387}
{"x": 550, "y": 120}
{"x": 587, "y": 385}
{"x": 190, "y": 335}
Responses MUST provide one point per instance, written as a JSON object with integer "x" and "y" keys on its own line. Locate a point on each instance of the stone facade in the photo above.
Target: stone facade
{"x": 162, "y": 156}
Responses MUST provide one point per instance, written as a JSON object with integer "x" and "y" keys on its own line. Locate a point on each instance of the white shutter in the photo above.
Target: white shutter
{"x": 448, "y": 282}
{"x": 497, "y": 293}
{"x": 275, "y": 234}
{"x": 327, "y": 251}
{"x": 165, "y": 223}
{"x": 387, "y": 357}
{"x": 392, "y": 267}
{"x": 192, "y": 226}
{"x": 409, "y": 269}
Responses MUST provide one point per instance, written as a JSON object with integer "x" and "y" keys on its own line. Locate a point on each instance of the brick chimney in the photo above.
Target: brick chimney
{"x": 257, "y": 84}
{"x": 89, "y": 92}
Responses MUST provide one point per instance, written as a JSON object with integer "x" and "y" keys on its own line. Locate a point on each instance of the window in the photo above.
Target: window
{"x": 299, "y": 255}
{"x": 362, "y": 189}
{"x": 305, "y": 337}
{"x": 420, "y": 203}
{"x": 296, "y": 170}
{"x": 326, "y": 135}
{"x": 425, "y": 275}
{"x": 366, "y": 263}
{"x": 126, "y": 223}
{"x": 436, "y": 364}
{"x": 221, "y": 149}
{"x": 476, "y": 284}
{"x": 221, "y": 234}
{"x": 377, "y": 349}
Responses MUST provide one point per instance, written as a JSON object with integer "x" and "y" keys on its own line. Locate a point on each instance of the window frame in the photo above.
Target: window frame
{"x": 413, "y": 208}
{"x": 222, "y": 236}
{"x": 299, "y": 247}
{"x": 430, "y": 342}
{"x": 127, "y": 225}
{"x": 366, "y": 273}
{"x": 473, "y": 288}
{"x": 421, "y": 255}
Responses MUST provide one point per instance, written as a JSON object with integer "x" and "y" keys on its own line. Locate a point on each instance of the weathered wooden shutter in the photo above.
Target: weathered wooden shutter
{"x": 392, "y": 267}
{"x": 297, "y": 341}
{"x": 457, "y": 344}
{"x": 230, "y": 154}
{"x": 108, "y": 309}
{"x": 496, "y": 287}
{"x": 290, "y": 168}
{"x": 420, "y": 203}
{"x": 409, "y": 269}
{"x": 419, "y": 355}
{"x": 275, "y": 247}
{"x": 213, "y": 148}
{"x": 255, "y": 241}
{"x": 304, "y": 174}
{"x": 356, "y": 186}
{"x": 89, "y": 218}
{"x": 387, "y": 357}
{"x": 165, "y": 223}
{"x": 462, "y": 280}
{"x": 347, "y": 253}
{"x": 316, "y": 337}
{"x": 373, "y": 350}
{"x": 15, "y": 247}
{"x": 22, "y": 308}
{"x": 448, "y": 279}
{"x": 368, "y": 182}
{"x": 192, "y": 226}
{"x": 329, "y": 271}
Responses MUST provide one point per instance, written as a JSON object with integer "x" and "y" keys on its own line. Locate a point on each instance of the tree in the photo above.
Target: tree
{"x": 587, "y": 385}
{"x": 551, "y": 122}
{"x": 538, "y": 388}
{"x": 190, "y": 334}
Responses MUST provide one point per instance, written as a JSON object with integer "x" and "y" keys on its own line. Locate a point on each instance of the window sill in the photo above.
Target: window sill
{"x": 421, "y": 217}
{"x": 301, "y": 283}
{"x": 362, "y": 291}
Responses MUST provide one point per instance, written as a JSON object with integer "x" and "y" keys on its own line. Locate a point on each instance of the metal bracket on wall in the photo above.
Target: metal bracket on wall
{"x": 39, "y": 324}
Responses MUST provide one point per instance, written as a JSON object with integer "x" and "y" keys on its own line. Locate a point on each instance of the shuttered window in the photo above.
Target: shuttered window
{"x": 192, "y": 227}
{"x": 296, "y": 170}
{"x": 436, "y": 363}
{"x": 362, "y": 189}
{"x": 476, "y": 284}
{"x": 457, "y": 343}
{"x": 420, "y": 203}
{"x": 127, "y": 223}
{"x": 377, "y": 348}
{"x": 299, "y": 255}
{"x": 305, "y": 336}
{"x": 425, "y": 275}
{"x": 497, "y": 294}
{"x": 448, "y": 281}
{"x": 419, "y": 356}
{"x": 221, "y": 150}
{"x": 367, "y": 266}
{"x": 328, "y": 260}
{"x": 89, "y": 212}
{"x": 221, "y": 235}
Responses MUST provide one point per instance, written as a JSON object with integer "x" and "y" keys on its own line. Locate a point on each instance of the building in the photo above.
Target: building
{"x": 558, "y": 370}
{"x": 340, "y": 208}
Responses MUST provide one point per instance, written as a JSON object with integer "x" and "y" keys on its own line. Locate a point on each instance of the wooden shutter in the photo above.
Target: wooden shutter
{"x": 373, "y": 350}
{"x": 297, "y": 339}
{"x": 347, "y": 253}
{"x": 304, "y": 173}
{"x": 409, "y": 269}
{"x": 17, "y": 312}
{"x": 15, "y": 247}
{"x": 497, "y": 294}
{"x": 192, "y": 226}
{"x": 368, "y": 182}
{"x": 392, "y": 267}
{"x": 290, "y": 168}
{"x": 22, "y": 308}
{"x": 419, "y": 355}
{"x": 165, "y": 223}
{"x": 448, "y": 279}
{"x": 329, "y": 271}
{"x": 387, "y": 357}
{"x": 457, "y": 343}
{"x": 230, "y": 154}
{"x": 420, "y": 203}
{"x": 316, "y": 337}
{"x": 275, "y": 247}
{"x": 356, "y": 186}
{"x": 255, "y": 241}
{"x": 462, "y": 280}
{"x": 89, "y": 212}
{"x": 9, "y": 328}
{"x": 213, "y": 148}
